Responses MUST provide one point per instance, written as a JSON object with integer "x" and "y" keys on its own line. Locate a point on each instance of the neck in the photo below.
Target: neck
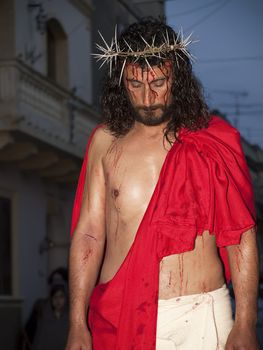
{"x": 149, "y": 131}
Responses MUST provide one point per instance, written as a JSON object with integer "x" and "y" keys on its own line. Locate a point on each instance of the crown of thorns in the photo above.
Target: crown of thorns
{"x": 109, "y": 53}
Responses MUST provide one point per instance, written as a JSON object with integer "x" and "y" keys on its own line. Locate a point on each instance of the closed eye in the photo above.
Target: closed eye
{"x": 135, "y": 83}
{"x": 158, "y": 83}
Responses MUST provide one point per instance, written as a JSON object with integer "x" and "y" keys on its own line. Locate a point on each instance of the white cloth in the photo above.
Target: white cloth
{"x": 194, "y": 322}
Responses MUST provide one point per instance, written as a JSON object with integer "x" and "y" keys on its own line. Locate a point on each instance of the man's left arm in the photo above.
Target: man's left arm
{"x": 244, "y": 267}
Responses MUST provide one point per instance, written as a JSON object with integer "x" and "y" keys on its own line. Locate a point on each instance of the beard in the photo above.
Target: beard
{"x": 151, "y": 116}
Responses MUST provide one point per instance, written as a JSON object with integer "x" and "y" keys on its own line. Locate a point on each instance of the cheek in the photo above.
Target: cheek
{"x": 133, "y": 95}
{"x": 164, "y": 96}
{"x": 169, "y": 95}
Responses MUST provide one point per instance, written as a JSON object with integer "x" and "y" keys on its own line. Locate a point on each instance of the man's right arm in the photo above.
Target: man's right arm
{"x": 87, "y": 247}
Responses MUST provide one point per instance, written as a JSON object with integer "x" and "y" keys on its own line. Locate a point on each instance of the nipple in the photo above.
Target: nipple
{"x": 115, "y": 193}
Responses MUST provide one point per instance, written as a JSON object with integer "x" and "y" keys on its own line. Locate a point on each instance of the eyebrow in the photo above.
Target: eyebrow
{"x": 157, "y": 79}
{"x": 138, "y": 81}
{"x": 135, "y": 80}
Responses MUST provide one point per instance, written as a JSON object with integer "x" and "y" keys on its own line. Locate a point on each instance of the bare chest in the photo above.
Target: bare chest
{"x": 131, "y": 173}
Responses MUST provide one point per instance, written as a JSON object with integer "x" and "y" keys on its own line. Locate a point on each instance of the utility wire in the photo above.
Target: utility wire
{"x": 230, "y": 59}
{"x": 248, "y": 113}
{"x": 246, "y": 105}
{"x": 129, "y": 9}
{"x": 149, "y": 2}
{"x": 210, "y": 14}
{"x": 253, "y": 113}
{"x": 196, "y": 9}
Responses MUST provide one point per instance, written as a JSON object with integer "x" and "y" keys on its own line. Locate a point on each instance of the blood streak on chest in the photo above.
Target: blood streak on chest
{"x": 115, "y": 194}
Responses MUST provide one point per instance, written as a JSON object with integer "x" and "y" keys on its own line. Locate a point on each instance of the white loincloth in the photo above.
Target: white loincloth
{"x": 194, "y": 322}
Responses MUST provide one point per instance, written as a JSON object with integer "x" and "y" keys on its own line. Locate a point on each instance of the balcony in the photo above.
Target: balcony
{"x": 42, "y": 126}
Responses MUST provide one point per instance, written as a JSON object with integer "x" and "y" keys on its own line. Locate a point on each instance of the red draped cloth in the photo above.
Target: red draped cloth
{"x": 204, "y": 184}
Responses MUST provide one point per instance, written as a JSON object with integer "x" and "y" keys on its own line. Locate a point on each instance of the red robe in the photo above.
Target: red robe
{"x": 204, "y": 184}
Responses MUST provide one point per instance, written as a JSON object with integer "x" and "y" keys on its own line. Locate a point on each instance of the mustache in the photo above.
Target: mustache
{"x": 150, "y": 108}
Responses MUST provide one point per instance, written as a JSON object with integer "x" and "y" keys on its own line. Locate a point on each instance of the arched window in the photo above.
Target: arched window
{"x": 57, "y": 53}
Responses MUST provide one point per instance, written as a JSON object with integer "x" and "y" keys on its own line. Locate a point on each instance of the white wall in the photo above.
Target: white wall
{"x": 77, "y": 28}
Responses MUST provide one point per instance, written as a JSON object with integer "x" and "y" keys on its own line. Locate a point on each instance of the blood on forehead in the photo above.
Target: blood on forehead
{"x": 136, "y": 71}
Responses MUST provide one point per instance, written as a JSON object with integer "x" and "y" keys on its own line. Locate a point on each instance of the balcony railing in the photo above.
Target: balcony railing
{"x": 33, "y": 104}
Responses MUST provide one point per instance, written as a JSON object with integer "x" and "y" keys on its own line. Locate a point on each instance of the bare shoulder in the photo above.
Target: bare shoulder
{"x": 100, "y": 143}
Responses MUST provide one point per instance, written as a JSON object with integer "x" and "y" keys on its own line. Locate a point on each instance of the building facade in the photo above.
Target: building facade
{"x": 45, "y": 120}
{"x": 49, "y": 93}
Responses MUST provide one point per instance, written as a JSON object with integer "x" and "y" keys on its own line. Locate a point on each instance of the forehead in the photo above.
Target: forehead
{"x": 135, "y": 71}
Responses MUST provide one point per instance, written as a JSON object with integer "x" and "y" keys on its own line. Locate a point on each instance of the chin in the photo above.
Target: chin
{"x": 150, "y": 120}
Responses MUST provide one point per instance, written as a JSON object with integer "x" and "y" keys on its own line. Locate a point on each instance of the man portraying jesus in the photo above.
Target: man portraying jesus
{"x": 164, "y": 211}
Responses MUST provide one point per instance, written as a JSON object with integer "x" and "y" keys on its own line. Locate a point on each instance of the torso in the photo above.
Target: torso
{"x": 132, "y": 165}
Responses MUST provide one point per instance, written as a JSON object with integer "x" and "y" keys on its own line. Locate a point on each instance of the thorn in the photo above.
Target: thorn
{"x": 122, "y": 69}
{"x": 116, "y": 39}
{"x": 177, "y": 54}
{"x": 179, "y": 36}
{"x": 116, "y": 31}
{"x": 102, "y": 49}
{"x": 153, "y": 41}
{"x": 164, "y": 38}
{"x": 174, "y": 41}
{"x": 167, "y": 37}
{"x": 188, "y": 40}
{"x": 128, "y": 45}
{"x": 182, "y": 35}
{"x": 102, "y": 63}
{"x": 148, "y": 63}
{"x": 193, "y": 58}
{"x": 145, "y": 41}
{"x": 103, "y": 40}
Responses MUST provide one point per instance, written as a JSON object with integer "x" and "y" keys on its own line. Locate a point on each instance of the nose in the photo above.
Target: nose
{"x": 148, "y": 96}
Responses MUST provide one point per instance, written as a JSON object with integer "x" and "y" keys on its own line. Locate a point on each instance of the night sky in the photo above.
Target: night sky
{"x": 229, "y": 56}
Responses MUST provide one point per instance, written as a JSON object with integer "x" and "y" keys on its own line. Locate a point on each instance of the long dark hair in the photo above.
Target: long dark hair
{"x": 188, "y": 108}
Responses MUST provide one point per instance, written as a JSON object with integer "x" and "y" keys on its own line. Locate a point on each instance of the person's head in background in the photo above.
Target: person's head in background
{"x": 58, "y": 299}
{"x": 58, "y": 276}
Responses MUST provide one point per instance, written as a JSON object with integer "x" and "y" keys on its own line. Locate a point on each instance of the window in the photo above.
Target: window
{"x": 57, "y": 52}
{"x": 5, "y": 246}
{"x": 51, "y": 54}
